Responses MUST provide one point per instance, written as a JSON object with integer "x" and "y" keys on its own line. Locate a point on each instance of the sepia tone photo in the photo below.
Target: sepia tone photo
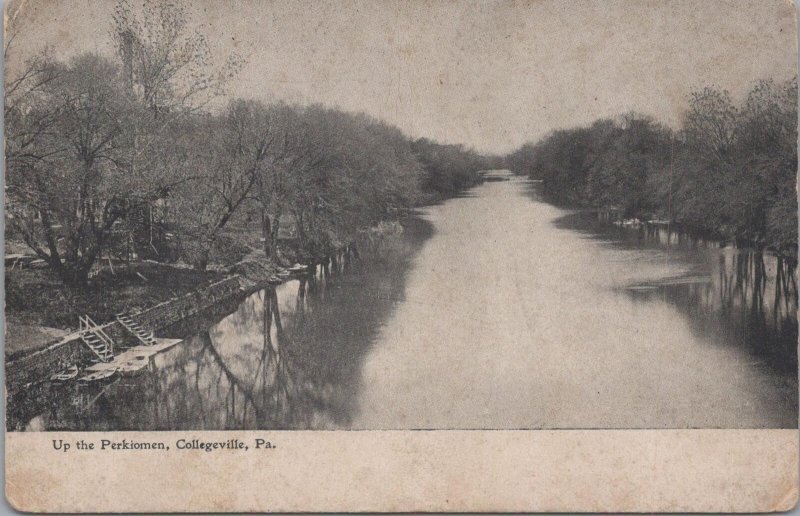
{"x": 417, "y": 215}
{"x": 418, "y": 255}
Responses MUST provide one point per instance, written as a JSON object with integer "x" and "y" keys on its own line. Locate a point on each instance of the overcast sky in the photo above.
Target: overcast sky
{"x": 490, "y": 74}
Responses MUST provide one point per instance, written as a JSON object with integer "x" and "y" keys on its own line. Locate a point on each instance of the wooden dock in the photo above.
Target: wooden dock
{"x": 128, "y": 363}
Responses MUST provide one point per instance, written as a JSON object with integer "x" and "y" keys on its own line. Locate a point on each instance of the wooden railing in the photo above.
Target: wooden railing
{"x": 87, "y": 324}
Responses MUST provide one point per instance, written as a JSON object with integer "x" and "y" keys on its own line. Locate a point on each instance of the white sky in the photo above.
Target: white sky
{"x": 490, "y": 74}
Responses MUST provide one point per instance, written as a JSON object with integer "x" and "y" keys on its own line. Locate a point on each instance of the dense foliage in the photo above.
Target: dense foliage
{"x": 98, "y": 149}
{"x": 448, "y": 169}
{"x": 729, "y": 171}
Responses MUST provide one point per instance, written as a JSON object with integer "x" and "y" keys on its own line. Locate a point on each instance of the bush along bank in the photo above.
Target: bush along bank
{"x": 728, "y": 172}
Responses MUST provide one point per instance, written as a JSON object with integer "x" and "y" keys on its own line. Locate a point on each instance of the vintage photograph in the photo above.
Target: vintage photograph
{"x": 400, "y": 215}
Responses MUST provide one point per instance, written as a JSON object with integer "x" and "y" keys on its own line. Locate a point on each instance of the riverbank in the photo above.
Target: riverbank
{"x": 155, "y": 296}
{"x": 346, "y": 305}
{"x": 660, "y": 220}
{"x": 594, "y": 324}
{"x": 652, "y": 221}
{"x": 35, "y": 299}
{"x": 37, "y": 363}
{"x": 741, "y": 190}
{"x": 41, "y": 310}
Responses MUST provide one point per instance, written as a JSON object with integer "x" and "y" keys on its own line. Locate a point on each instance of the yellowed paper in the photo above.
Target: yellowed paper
{"x": 573, "y": 471}
{"x": 403, "y": 256}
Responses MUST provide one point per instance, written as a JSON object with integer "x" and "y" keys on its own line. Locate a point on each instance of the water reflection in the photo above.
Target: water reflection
{"x": 267, "y": 365}
{"x": 533, "y": 321}
{"x": 513, "y": 313}
{"x": 731, "y": 294}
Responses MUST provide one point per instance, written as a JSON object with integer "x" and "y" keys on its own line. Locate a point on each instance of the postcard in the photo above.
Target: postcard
{"x": 401, "y": 256}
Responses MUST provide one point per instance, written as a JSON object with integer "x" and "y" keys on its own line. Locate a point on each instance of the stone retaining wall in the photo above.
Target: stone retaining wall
{"x": 171, "y": 311}
{"x": 41, "y": 364}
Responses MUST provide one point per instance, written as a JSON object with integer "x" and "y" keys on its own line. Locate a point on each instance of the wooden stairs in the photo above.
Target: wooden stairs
{"x": 145, "y": 337}
{"x": 96, "y": 339}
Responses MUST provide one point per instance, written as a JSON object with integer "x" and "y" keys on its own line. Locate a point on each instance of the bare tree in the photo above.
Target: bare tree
{"x": 87, "y": 140}
{"x": 168, "y": 70}
{"x": 26, "y": 119}
{"x": 64, "y": 194}
{"x": 167, "y": 65}
{"x": 710, "y": 123}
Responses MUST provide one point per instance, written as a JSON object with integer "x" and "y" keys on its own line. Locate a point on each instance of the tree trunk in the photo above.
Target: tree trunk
{"x": 276, "y": 227}
{"x": 266, "y": 233}
{"x": 301, "y": 230}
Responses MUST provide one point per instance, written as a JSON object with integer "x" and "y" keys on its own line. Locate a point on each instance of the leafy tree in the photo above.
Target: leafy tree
{"x": 225, "y": 152}
{"x": 730, "y": 171}
{"x": 448, "y": 169}
{"x": 710, "y": 124}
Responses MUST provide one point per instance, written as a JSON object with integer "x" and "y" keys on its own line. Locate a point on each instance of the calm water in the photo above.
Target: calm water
{"x": 493, "y": 310}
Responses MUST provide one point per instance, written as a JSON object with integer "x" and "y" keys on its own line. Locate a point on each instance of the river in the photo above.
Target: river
{"x": 493, "y": 310}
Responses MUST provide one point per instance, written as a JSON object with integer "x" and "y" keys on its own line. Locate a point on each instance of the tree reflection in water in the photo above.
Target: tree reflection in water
{"x": 291, "y": 356}
{"x": 288, "y": 357}
{"x": 749, "y": 296}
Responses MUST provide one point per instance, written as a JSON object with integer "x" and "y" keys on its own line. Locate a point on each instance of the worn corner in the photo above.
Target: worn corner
{"x": 13, "y": 500}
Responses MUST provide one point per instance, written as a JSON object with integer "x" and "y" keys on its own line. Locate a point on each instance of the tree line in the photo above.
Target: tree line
{"x": 94, "y": 142}
{"x": 728, "y": 171}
